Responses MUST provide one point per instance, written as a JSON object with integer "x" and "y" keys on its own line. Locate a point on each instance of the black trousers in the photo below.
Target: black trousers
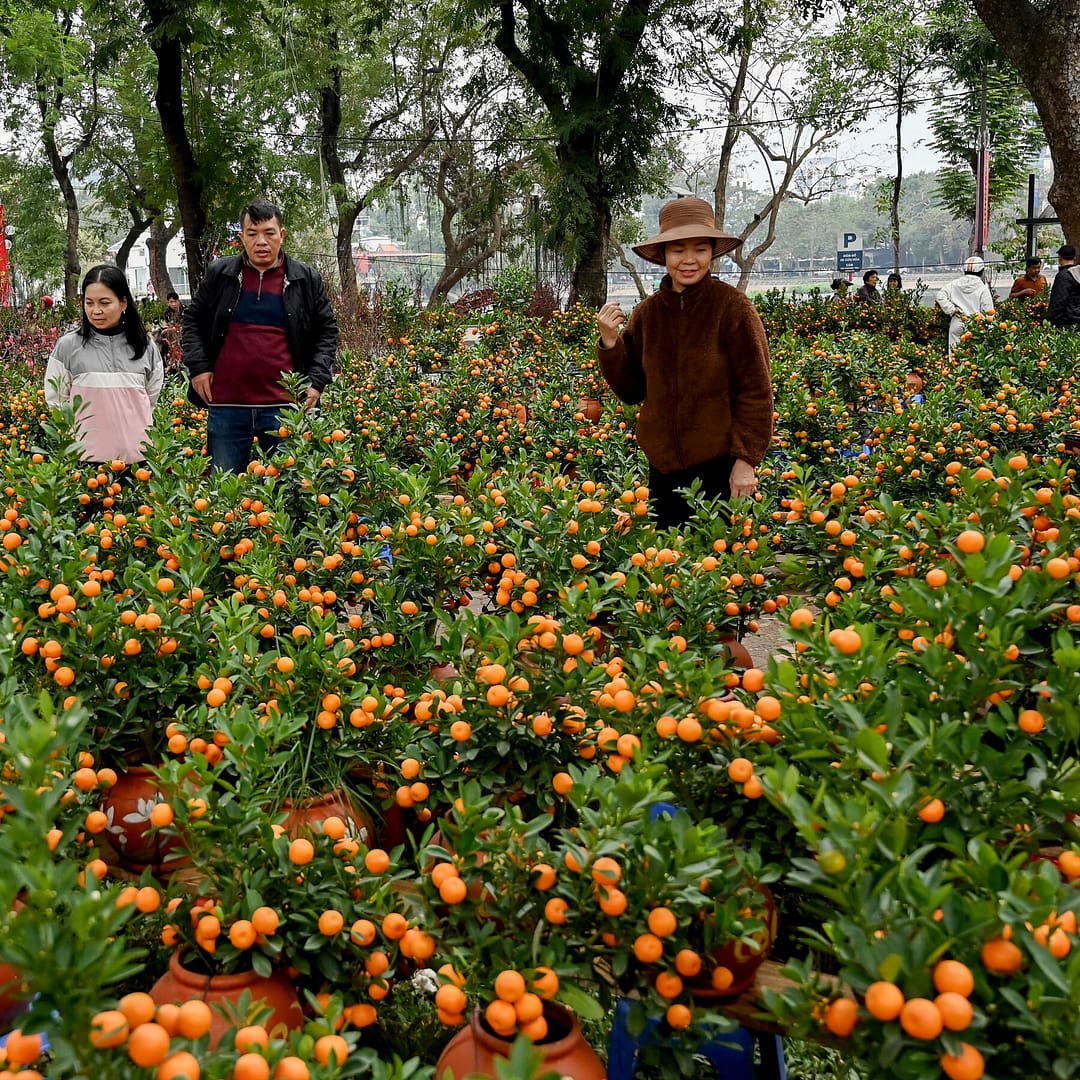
{"x": 668, "y": 507}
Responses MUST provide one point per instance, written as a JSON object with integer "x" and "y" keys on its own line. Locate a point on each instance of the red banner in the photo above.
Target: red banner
{"x": 5, "y": 284}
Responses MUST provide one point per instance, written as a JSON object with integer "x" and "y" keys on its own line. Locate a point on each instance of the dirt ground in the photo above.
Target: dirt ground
{"x": 768, "y": 640}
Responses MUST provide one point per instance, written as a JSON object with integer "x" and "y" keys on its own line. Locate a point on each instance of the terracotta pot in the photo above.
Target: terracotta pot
{"x": 592, "y": 408}
{"x": 518, "y": 411}
{"x": 276, "y": 992}
{"x": 305, "y": 816}
{"x": 127, "y": 807}
{"x": 737, "y": 651}
{"x": 475, "y": 1048}
{"x": 742, "y": 960}
{"x": 445, "y": 672}
{"x": 391, "y": 828}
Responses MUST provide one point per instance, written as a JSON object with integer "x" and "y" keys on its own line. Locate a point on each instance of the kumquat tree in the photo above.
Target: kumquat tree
{"x": 420, "y": 731}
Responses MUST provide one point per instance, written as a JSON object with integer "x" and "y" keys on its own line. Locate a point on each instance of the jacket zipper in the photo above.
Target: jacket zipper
{"x": 678, "y": 397}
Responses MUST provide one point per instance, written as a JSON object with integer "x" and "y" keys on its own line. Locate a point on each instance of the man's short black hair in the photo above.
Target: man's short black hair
{"x": 1034, "y": 261}
{"x": 261, "y": 210}
{"x": 172, "y": 296}
{"x": 1066, "y": 251}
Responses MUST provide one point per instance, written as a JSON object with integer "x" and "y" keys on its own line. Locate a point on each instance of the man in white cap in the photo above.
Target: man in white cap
{"x": 695, "y": 357}
{"x": 963, "y": 297}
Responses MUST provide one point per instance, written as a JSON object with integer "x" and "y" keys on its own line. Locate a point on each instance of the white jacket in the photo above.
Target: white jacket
{"x": 965, "y": 296}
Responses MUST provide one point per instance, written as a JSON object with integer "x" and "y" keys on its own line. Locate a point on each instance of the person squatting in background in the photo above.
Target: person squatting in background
{"x": 112, "y": 365}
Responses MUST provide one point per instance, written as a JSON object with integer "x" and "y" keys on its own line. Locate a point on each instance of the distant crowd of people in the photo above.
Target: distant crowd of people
{"x": 968, "y": 294}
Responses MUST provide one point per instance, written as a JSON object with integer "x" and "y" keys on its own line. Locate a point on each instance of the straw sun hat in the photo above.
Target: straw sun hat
{"x": 686, "y": 219}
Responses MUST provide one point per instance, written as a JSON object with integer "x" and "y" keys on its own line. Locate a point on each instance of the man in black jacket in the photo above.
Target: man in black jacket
{"x": 256, "y": 317}
{"x": 1064, "y": 308}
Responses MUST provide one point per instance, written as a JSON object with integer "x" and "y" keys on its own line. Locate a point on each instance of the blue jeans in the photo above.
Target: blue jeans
{"x": 230, "y": 430}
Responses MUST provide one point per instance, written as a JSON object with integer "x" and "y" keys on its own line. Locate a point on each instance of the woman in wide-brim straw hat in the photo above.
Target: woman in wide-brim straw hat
{"x": 695, "y": 357}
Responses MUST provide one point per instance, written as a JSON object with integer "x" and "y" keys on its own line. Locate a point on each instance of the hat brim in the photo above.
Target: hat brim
{"x": 652, "y": 250}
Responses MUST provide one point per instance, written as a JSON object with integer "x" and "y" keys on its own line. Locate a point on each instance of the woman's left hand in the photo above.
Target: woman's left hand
{"x": 743, "y": 479}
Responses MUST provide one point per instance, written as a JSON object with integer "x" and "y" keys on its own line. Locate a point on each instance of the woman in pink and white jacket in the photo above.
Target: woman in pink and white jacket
{"x": 112, "y": 365}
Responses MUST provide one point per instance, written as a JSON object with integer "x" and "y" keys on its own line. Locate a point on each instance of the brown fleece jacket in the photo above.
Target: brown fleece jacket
{"x": 698, "y": 363}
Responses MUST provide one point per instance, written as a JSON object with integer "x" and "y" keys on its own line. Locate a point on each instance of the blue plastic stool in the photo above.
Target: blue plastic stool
{"x": 732, "y": 1055}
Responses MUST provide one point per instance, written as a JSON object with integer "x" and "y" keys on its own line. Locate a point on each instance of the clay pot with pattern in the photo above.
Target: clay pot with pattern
{"x": 127, "y": 807}
{"x": 305, "y": 816}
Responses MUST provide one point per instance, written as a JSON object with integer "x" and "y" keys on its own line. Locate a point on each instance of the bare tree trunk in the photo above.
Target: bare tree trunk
{"x": 732, "y": 131}
{"x": 164, "y": 17}
{"x": 348, "y": 208}
{"x": 625, "y": 262}
{"x": 138, "y": 227}
{"x": 348, "y": 205}
{"x": 458, "y": 264}
{"x": 158, "y": 250}
{"x": 62, "y": 176}
{"x": 898, "y": 183}
{"x": 1042, "y": 42}
{"x": 588, "y": 282}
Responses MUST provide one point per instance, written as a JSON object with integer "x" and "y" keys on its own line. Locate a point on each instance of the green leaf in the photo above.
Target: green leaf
{"x": 580, "y": 1003}
{"x": 889, "y": 969}
{"x": 871, "y": 745}
{"x": 1046, "y": 963}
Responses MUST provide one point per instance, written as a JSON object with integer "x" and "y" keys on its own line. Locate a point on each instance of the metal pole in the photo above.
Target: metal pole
{"x": 982, "y": 176}
{"x": 1032, "y": 228}
{"x": 536, "y": 234}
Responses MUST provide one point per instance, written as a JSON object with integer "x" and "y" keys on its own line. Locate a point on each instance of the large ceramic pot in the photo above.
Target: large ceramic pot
{"x": 591, "y": 408}
{"x": 127, "y": 808}
{"x": 474, "y": 1050}
{"x": 275, "y": 991}
{"x": 740, "y": 959}
{"x": 391, "y": 828}
{"x": 737, "y": 652}
{"x": 305, "y": 816}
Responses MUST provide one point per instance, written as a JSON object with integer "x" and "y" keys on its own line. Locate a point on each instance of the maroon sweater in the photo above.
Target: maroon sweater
{"x": 255, "y": 354}
{"x": 698, "y": 363}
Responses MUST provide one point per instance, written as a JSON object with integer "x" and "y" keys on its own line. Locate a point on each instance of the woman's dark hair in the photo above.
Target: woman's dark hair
{"x": 113, "y": 279}
{"x": 868, "y": 275}
{"x": 897, "y": 278}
